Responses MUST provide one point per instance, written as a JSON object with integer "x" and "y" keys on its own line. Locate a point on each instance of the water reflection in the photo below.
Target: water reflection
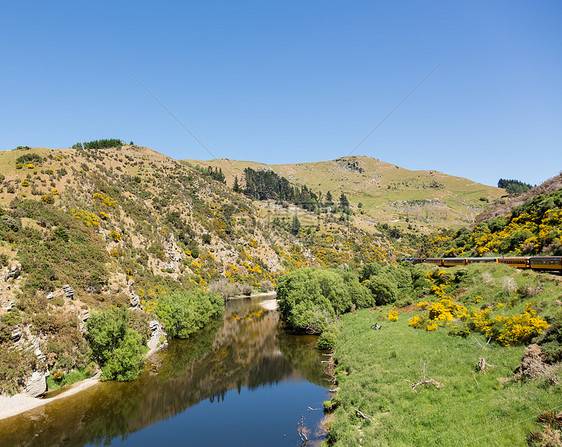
{"x": 247, "y": 350}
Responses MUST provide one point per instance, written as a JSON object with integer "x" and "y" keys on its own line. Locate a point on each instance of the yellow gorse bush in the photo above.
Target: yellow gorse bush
{"x": 104, "y": 200}
{"x": 505, "y": 330}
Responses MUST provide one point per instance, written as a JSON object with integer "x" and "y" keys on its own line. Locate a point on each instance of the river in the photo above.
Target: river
{"x": 242, "y": 381}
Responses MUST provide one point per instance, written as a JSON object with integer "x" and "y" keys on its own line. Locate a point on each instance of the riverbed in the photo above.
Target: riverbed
{"x": 243, "y": 380}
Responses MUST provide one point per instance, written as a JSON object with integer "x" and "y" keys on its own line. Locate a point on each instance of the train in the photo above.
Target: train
{"x": 542, "y": 263}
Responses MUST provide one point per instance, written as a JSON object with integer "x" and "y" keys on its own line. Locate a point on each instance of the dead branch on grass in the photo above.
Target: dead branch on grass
{"x": 362, "y": 415}
{"x": 482, "y": 364}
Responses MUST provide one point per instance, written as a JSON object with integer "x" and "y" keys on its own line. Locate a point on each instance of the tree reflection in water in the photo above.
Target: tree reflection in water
{"x": 248, "y": 348}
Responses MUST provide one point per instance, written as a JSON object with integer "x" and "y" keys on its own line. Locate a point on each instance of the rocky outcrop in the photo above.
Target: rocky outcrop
{"x": 157, "y": 339}
{"x": 14, "y": 272}
{"x": 173, "y": 252}
{"x": 37, "y": 384}
{"x": 68, "y": 291}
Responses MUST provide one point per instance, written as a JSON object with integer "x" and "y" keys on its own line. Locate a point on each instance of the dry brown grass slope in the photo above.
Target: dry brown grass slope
{"x": 502, "y": 209}
{"x": 388, "y": 193}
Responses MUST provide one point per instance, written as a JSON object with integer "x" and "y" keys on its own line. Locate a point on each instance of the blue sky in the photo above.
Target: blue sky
{"x": 293, "y": 81}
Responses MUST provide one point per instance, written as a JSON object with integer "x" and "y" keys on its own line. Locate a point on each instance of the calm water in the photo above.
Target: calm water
{"x": 242, "y": 381}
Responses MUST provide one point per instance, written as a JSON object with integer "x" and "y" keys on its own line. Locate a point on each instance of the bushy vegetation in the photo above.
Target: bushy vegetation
{"x": 310, "y": 299}
{"x": 15, "y": 367}
{"x": 532, "y": 228}
{"x": 116, "y": 347}
{"x": 29, "y": 158}
{"x": 46, "y": 254}
{"x": 183, "y": 313}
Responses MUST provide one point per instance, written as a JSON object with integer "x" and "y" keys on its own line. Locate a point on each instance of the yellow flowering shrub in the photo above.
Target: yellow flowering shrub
{"x": 392, "y": 315}
{"x": 507, "y": 330}
{"x": 115, "y": 236}
{"x": 89, "y": 219}
{"x": 104, "y": 200}
{"x": 504, "y": 329}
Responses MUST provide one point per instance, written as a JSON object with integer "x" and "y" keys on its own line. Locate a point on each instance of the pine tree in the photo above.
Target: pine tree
{"x": 344, "y": 204}
{"x": 236, "y": 187}
{"x": 296, "y": 226}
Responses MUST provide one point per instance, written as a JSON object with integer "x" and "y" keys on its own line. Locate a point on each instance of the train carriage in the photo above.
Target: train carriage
{"x": 518, "y": 262}
{"x": 481, "y": 260}
{"x": 546, "y": 263}
{"x": 452, "y": 262}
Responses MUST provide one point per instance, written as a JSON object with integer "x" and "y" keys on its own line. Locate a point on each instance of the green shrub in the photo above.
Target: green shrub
{"x": 384, "y": 291}
{"x": 29, "y": 159}
{"x": 327, "y": 339}
{"x": 183, "y": 313}
{"x": 310, "y": 299}
{"x": 117, "y": 348}
{"x": 550, "y": 340}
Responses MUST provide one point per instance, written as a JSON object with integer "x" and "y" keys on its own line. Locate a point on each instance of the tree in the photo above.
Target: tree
{"x": 296, "y": 226}
{"x": 183, "y": 313}
{"x": 329, "y": 199}
{"x": 117, "y": 348}
{"x": 236, "y": 187}
{"x": 344, "y": 203}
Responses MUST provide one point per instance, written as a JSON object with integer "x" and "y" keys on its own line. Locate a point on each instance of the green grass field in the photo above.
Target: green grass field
{"x": 472, "y": 408}
{"x": 376, "y": 368}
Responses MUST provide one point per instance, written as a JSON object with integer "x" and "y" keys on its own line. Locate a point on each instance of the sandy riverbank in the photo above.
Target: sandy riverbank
{"x": 20, "y": 403}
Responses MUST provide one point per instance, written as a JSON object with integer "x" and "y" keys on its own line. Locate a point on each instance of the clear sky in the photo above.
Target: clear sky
{"x": 293, "y": 81}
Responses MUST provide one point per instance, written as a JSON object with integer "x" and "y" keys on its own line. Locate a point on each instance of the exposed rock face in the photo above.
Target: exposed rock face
{"x": 134, "y": 299}
{"x": 14, "y": 272}
{"x": 37, "y": 384}
{"x": 16, "y": 333}
{"x": 157, "y": 333}
{"x": 9, "y": 305}
{"x": 68, "y": 291}
{"x": 174, "y": 253}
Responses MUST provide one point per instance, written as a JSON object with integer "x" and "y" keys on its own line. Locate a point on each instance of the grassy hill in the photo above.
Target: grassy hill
{"x": 82, "y": 230}
{"x": 388, "y": 193}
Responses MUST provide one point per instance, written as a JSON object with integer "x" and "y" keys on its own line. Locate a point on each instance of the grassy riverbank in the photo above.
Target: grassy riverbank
{"x": 376, "y": 370}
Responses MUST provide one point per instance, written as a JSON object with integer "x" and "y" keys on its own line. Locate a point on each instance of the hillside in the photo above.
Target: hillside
{"x": 527, "y": 225}
{"x": 503, "y": 209}
{"x": 389, "y": 194}
{"x": 88, "y": 229}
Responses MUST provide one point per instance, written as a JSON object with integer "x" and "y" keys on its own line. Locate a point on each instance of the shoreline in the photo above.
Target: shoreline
{"x": 273, "y": 293}
{"x": 21, "y": 403}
